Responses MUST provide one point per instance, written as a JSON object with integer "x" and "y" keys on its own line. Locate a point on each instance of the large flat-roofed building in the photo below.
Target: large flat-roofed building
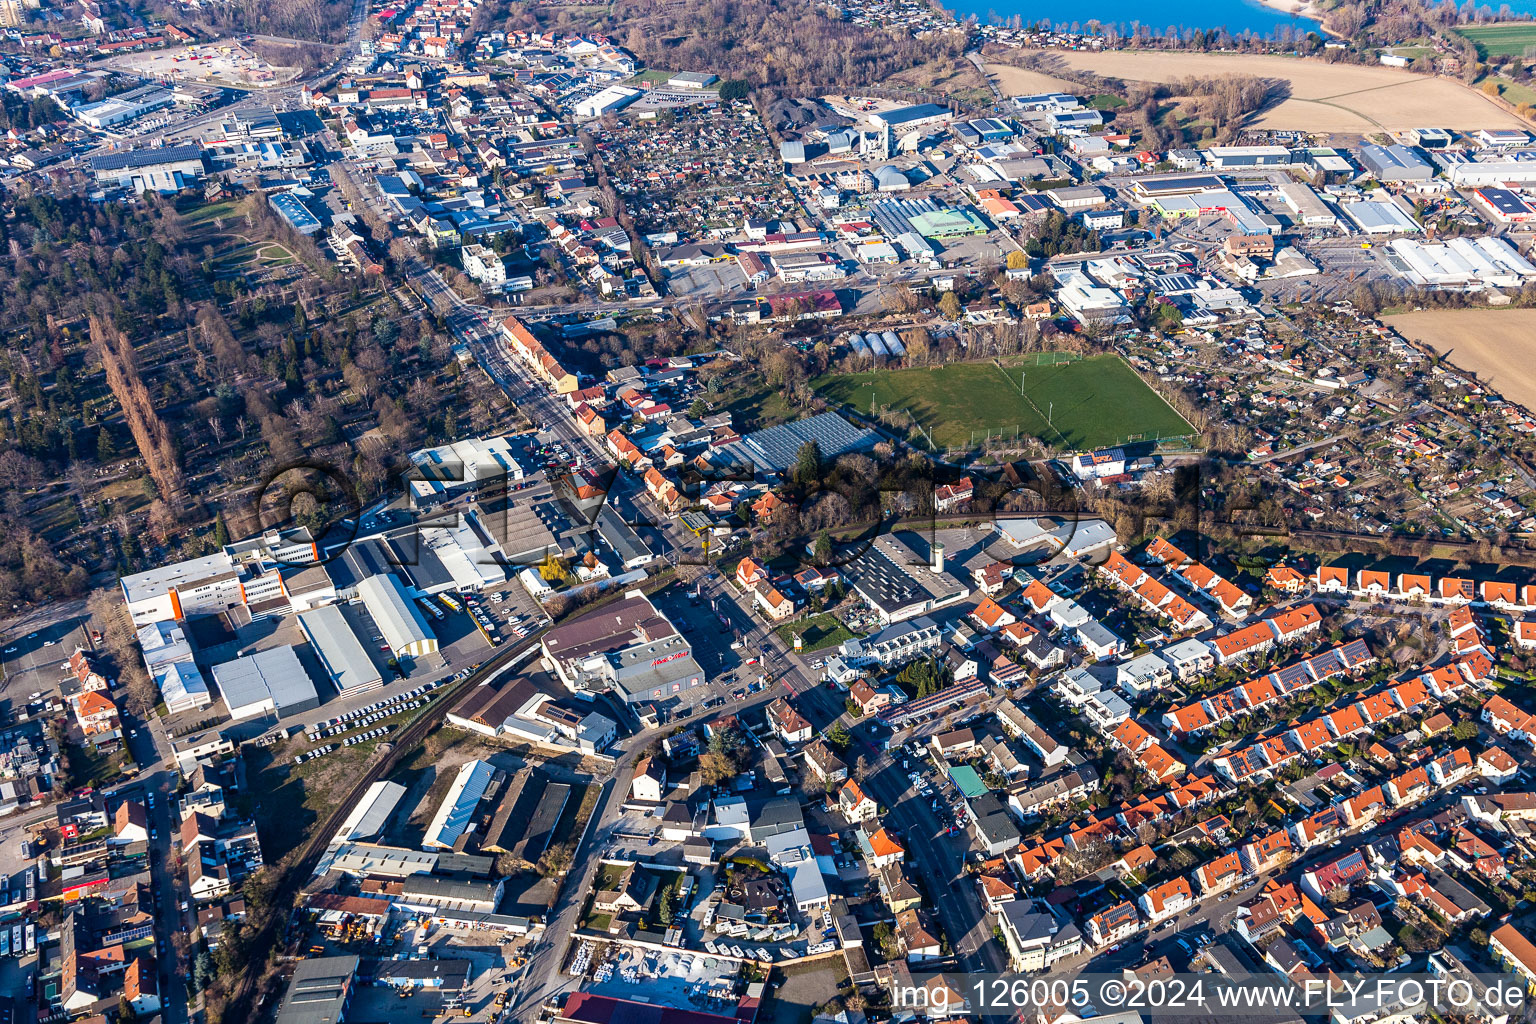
{"x": 319, "y": 992}
{"x": 124, "y": 106}
{"x": 170, "y": 169}
{"x": 168, "y": 657}
{"x": 775, "y": 449}
{"x": 948, "y": 223}
{"x": 339, "y": 650}
{"x": 622, "y": 539}
{"x": 629, "y": 648}
{"x": 1230, "y": 158}
{"x": 261, "y": 123}
{"x": 1074, "y": 538}
{"x": 898, "y": 585}
{"x": 1079, "y": 197}
{"x": 917, "y": 116}
{"x": 1238, "y": 211}
{"x": 207, "y": 585}
{"x": 1462, "y": 263}
{"x": 271, "y": 682}
{"x": 1180, "y": 185}
{"x": 1395, "y": 163}
{"x": 456, "y": 551}
{"x": 364, "y": 557}
{"x": 293, "y": 211}
{"x": 1307, "y": 207}
{"x": 396, "y": 615}
{"x": 386, "y": 861}
{"x": 182, "y": 686}
{"x": 528, "y": 526}
{"x": 470, "y": 464}
{"x": 1503, "y": 205}
{"x": 1381, "y": 218}
{"x": 426, "y": 892}
{"x": 1518, "y": 169}
{"x": 615, "y": 97}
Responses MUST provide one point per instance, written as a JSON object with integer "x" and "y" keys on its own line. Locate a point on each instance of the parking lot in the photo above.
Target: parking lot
{"x": 224, "y": 63}
{"x": 34, "y": 663}
{"x": 712, "y": 279}
{"x": 712, "y": 622}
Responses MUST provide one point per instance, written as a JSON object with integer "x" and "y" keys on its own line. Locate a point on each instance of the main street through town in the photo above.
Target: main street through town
{"x": 939, "y": 859}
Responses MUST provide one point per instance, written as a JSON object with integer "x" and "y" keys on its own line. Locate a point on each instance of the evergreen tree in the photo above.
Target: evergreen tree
{"x": 807, "y": 464}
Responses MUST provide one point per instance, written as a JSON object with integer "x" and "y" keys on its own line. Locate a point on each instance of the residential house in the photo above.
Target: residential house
{"x": 1116, "y": 924}
{"x": 1163, "y": 901}
{"x": 825, "y": 765}
{"x": 788, "y": 724}
{"x": 854, "y": 804}
{"x": 917, "y": 935}
{"x": 1512, "y": 951}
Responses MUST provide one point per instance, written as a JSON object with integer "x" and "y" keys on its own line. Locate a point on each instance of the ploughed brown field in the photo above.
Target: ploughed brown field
{"x": 1323, "y": 97}
{"x": 1499, "y": 345}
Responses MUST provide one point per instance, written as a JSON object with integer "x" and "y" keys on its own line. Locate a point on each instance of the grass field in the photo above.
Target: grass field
{"x": 752, "y": 404}
{"x": 1513, "y": 92}
{"x": 1516, "y": 93}
{"x": 210, "y": 211}
{"x": 817, "y": 632}
{"x": 251, "y": 256}
{"x": 1508, "y": 39}
{"x": 1090, "y": 403}
{"x": 651, "y": 76}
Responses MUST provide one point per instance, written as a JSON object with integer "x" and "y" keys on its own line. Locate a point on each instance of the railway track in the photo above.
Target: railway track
{"x": 239, "y": 1007}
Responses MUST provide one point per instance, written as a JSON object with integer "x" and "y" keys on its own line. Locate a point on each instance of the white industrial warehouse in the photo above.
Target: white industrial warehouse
{"x": 1462, "y": 263}
{"x": 615, "y": 97}
{"x": 270, "y": 682}
{"x": 396, "y": 615}
{"x": 339, "y": 650}
{"x": 372, "y": 812}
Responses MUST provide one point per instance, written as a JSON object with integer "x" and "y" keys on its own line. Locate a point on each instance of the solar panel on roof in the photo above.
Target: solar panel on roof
{"x": 145, "y": 157}
{"x": 1355, "y": 652}
{"x": 1293, "y": 676}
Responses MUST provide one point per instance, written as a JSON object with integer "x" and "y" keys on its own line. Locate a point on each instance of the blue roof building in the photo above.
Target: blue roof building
{"x": 295, "y": 213}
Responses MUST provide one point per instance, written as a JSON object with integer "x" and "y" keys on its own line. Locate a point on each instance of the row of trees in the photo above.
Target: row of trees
{"x": 156, "y": 447}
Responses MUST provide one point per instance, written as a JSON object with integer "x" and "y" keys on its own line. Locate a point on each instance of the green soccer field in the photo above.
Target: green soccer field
{"x": 1091, "y": 403}
{"x": 1502, "y": 40}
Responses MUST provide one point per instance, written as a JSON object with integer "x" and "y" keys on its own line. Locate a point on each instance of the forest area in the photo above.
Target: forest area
{"x": 787, "y": 45}
{"x": 323, "y": 21}
{"x": 145, "y": 392}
